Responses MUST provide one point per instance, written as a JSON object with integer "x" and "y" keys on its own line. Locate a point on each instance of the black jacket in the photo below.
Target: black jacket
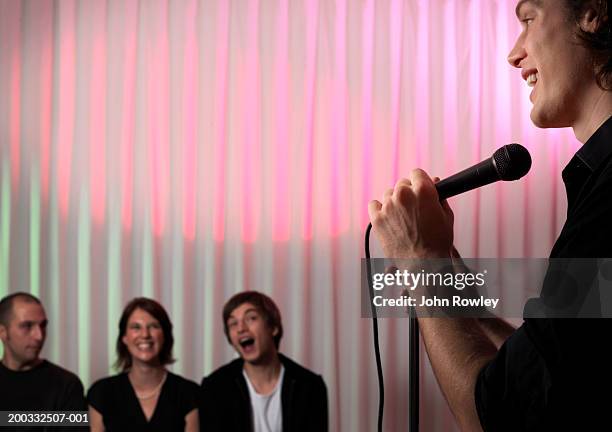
{"x": 225, "y": 405}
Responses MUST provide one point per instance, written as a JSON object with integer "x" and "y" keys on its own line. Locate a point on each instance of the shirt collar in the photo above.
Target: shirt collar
{"x": 586, "y": 161}
{"x": 597, "y": 148}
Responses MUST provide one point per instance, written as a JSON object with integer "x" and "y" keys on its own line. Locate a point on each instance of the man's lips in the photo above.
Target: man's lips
{"x": 525, "y": 73}
{"x": 246, "y": 342}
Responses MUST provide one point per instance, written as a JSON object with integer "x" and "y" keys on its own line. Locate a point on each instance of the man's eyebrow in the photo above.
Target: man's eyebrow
{"x": 251, "y": 309}
{"x": 31, "y": 322}
{"x": 521, "y": 3}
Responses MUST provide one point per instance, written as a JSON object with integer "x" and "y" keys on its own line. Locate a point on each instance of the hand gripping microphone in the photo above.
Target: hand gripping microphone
{"x": 510, "y": 162}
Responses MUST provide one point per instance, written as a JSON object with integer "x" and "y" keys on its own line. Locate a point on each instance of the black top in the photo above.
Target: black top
{"x": 46, "y": 387}
{"x": 555, "y": 374}
{"x": 115, "y": 399}
{"x": 225, "y": 404}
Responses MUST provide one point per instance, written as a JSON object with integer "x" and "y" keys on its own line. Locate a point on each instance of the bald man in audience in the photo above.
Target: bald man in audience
{"x": 29, "y": 382}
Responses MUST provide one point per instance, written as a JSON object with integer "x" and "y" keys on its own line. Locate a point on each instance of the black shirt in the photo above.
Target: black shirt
{"x": 115, "y": 399}
{"x": 46, "y": 387}
{"x": 555, "y": 374}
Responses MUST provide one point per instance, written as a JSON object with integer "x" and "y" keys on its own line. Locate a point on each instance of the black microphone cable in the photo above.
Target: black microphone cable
{"x": 414, "y": 351}
{"x": 381, "y": 382}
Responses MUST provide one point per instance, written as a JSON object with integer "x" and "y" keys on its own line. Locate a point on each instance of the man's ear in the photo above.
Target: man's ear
{"x": 592, "y": 20}
{"x": 3, "y": 333}
{"x": 275, "y": 331}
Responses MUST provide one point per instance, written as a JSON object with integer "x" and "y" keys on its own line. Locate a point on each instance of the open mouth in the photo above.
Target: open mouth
{"x": 246, "y": 342}
{"x": 145, "y": 346}
{"x": 532, "y": 79}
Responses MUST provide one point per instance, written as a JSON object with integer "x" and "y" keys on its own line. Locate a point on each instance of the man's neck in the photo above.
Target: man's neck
{"x": 264, "y": 376}
{"x": 598, "y": 110}
{"x": 17, "y": 366}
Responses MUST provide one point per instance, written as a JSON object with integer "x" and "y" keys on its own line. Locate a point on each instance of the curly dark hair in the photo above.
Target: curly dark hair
{"x": 264, "y": 304}
{"x": 600, "y": 41}
{"x": 157, "y": 311}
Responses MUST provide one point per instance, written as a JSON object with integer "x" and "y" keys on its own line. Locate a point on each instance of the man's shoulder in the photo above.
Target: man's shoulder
{"x": 298, "y": 371}
{"x": 58, "y": 373}
{"x": 224, "y": 373}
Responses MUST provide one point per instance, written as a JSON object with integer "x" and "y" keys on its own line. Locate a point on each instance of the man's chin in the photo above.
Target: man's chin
{"x": 543, "y": 120}
{"x": 30, "y": 361}
{"x": 255, "y": 359}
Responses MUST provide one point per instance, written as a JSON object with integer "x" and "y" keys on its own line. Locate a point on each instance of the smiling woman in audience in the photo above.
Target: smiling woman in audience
{"x": 145, "y": 396}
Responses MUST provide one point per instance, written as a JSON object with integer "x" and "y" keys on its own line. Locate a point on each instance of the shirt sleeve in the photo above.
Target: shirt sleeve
{"x": 511, "y": 391}
{"x": 209, "y": 413}
{"x": 96, "y": 396}
{"x": 74, "y": 399}
{"x": 189, "y": 396}
{"x": 320, "y": 417}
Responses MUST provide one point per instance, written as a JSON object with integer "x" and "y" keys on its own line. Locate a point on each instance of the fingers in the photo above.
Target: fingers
{"x": 390, "y": 269}
{"x": 387, "y": 195}
{"x": 447, "y": 208}
{"x": 374, "y": 208}
{"x": 418, "y": 176}
{"x": 402, "y": 183}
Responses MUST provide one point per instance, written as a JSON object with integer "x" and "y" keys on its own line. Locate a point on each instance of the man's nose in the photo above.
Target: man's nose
{"x": 517, "y": 54}
{"x": 38, "y": 333}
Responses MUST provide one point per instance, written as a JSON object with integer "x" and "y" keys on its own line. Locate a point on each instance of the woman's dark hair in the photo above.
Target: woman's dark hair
{"x": 157, "y": 311}
{"x": 264, "y": 304}
{"x": 599, "y": 42}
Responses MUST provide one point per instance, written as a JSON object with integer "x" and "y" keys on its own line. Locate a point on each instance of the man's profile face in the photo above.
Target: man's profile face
{"x": 24, "y": 336}
{"x": 552, "y": 61}
{"x": 250, "y": 334}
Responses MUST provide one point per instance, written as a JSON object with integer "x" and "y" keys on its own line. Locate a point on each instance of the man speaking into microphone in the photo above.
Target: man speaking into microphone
{"x": 549, "y": 374}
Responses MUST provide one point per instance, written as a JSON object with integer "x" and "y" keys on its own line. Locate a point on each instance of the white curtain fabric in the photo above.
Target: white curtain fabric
{"x": 187, "y": 150}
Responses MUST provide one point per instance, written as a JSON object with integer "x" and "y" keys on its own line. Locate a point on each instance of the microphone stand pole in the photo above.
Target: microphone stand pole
{"x": 413, "y": 377}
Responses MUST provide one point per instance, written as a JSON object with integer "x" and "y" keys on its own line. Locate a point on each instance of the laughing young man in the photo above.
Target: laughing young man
{"x": 549, "y": 374}
{"x": 262, "y": 391}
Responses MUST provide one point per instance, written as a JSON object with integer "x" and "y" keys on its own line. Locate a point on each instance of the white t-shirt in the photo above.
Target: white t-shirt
{"x": 267, "y": 409}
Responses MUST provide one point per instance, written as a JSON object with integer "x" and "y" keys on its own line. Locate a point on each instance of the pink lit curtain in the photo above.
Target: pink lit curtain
{"x": 187, "y": 150}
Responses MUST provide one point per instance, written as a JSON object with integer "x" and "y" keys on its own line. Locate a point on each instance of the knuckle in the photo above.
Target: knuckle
{"x": 402, "y": 183}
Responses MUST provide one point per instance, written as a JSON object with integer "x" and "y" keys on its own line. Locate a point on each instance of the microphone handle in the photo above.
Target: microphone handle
{"x": 470, "y": 178}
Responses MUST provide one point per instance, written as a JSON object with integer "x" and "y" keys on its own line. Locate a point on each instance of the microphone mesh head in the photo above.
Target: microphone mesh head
{"x": 512, "y": 161}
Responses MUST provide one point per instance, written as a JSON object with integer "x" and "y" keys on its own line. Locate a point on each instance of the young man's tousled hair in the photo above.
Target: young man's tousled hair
{"x": 264, "y": 304}
{"x": 598, "y": 42}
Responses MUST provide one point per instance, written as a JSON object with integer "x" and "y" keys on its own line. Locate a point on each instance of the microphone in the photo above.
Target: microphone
{"x": 510, "y": 162}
